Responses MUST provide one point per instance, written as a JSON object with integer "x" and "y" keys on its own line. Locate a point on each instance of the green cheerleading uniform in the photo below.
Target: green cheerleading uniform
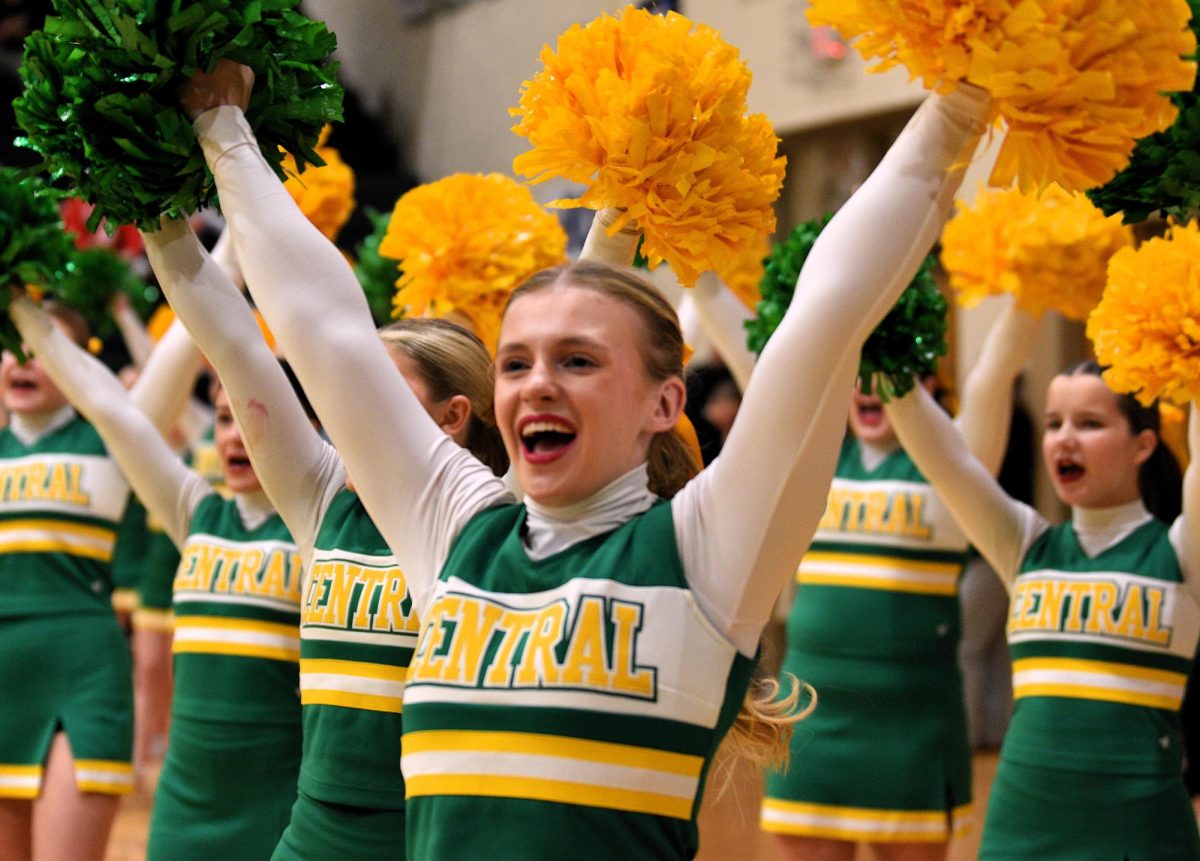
{"x": 357, "y": 635}
{"x": 129, "y": 558}
{"x": 1091, "y": 766}
{"x": 568, "y": 706}
{"x": 159, "y": 564}
{"x": 229, "y": 778}
{"x": 874, "y": 628}
{"x": 64, "y": 664}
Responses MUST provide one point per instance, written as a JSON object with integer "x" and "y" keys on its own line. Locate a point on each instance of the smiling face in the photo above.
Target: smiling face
{"x": 27, "y": 389}
{"x": 868, "y": 422}
{"x": 574, "y": 401}
{"x": 240, "y": 476}
{"x": 1090, "y": 450}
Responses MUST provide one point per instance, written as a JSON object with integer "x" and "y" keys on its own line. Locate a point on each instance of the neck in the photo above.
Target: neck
{"x": 1094, "y": 519}
{"x": 30, "y": 426}
{"x": 629, "y": 487}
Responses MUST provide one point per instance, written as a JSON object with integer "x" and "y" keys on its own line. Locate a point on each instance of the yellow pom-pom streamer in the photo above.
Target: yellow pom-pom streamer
{"x": 324, "y": 194}
{"x": 745, "y": 278}
{"x": 1050, "y": 252}
{"x": 1146, "y": 329}
{"x": 1172, "y": 430}
{"x": 649, "y": 112}
{"x": 1076, "y": 82}
{"x": 464, "y": 243}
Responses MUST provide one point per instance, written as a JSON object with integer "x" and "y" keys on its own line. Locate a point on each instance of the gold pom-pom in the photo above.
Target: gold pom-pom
{"x": 1050, "y": 252}
{"x": 1146, "y": 329}
{"x": 649, "y": 112}
{"x": 324, "y": 194}
{"x": 1075, "y": 83}
{"x": 464, "y": 243}
{"x": 744, "y": 279}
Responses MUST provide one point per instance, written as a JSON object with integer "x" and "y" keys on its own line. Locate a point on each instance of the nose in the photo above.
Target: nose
{"x": 539, "y": 384}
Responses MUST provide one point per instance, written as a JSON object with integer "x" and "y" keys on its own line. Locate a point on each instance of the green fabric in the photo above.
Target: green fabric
{"x": 320, "y": 830}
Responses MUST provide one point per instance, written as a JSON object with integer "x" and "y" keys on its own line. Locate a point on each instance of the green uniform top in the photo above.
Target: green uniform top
{"x": 881, "y": 577}
{"x": 237, "y": 616}
{"x": 61, "y": 501}
{"x": 1101, "y": 650}
{"x": 567, "y": 707}
{"x": 357, "y": 635}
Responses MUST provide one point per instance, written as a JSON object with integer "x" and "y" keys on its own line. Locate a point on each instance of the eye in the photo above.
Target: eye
{"x": 578, "y": 360}
{"x": 1053, "y": 423}
{"x": 511, "y": 365}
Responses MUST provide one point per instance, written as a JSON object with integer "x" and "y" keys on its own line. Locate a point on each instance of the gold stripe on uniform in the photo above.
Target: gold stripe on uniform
{"x": 352, "y": 684}
{"x": 250, "y": 638}
{"x": 890, "y": 573}
{"x": 111, "y": 777}
{"x": 57, "y": 536}
{"x": 863, "y": 823}
{"x": 1107, "y": 681}
{"x": 20, "y": 781}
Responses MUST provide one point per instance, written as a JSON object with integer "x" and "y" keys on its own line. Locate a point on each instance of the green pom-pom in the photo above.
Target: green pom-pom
{"x": 1163, "y": 174}
{"x": 377, "y": 274}
{"x": 90, "y": 280}
{"x": 33, "y": 247}
{"x": 903, "y": 347}
{"x": 101, "y": 105}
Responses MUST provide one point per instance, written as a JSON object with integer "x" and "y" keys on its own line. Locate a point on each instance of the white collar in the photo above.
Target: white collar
{"x": 1098, "y": 529}
{"x": 30, "y": 427}
{"x": 551, "y": 530}
{"x": 254, "y": 509}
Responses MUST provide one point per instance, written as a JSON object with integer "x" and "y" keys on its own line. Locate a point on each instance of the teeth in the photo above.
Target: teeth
{"x": 544, "y": 427}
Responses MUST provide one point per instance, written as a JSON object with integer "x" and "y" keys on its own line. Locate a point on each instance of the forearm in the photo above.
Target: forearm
{"x": 723, "y": 317}
{"x": 618, "y": 249}
{"x": 987, "y": 398}
{"x": 294, "y": 465}
{"x": 137, "y": 340}
{"x": 315, "y": 307}
{"x": 167, "y": 380}
{"x": 166, "y": 487}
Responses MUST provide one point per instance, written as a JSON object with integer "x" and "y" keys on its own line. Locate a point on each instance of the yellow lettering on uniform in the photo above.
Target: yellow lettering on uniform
{"x": 538, "y": 662}
{"x": 1017, "y": 605}
{"x": 1104, "y": 598}
{"x": 277, "y": 580}
{"x": 1050, "y": 607}
{"x": 835, "y": 511}
{"x": 1075, "y": 592}
{"x": 1132, "y": 621}
{"x": 585, "y": 661}
{"x": 1155, "y": 633}
{"x": 391, "y": 615}
{"x": 77, "y": 495}
{"x": 337, "y": 596}
{"x": 476, "y": 624}
{"x": 1033, "y": 597}
{"x": 316, "y": 578}
{"x": 516, "y": 627}
{"x": 36, "y": 485}
{"x": 185, "y": 574}
{"x": 249, "y": 562}
{"x": 877, "y": 502}
{"x": 627, "y": 678}
{"x": 370, "y": 578}
{"x": 427, "y": 665}
{"x": 917, "y": 527}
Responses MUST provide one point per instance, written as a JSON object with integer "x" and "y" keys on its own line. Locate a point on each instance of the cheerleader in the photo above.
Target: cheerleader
{"x": 358, "y": 627}
{"x": 233, "y": 755}
{"x": 66, "y": 724}
{"x": 582, "y": 655}
{"x": 1103, "y": 623}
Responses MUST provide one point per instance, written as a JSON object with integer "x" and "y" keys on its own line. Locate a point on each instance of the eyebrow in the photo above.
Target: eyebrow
{"x": 567, "y": 343}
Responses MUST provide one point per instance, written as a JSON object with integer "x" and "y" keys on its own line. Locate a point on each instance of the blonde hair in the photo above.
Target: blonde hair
{"x": 669, "y": 461}
{"x": 452, "y": 361}
{"x": 763, "y": 727}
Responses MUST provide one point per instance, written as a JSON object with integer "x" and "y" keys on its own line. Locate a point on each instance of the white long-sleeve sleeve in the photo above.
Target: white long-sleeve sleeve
{"x": 138, "y": 342}
{"x": 165, "y": 385}
{"x": 985, "y": 413}
{"x": 299, "y": 471}
{"x": 743, "y": 524}
{"x": 419, "y": 485}
{"x": 169, "y": 490}
{"x": 723, "y": 317}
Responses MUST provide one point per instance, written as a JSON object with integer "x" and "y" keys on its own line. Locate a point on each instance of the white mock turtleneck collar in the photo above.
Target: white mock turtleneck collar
{"x": 30, "y": 427}
{"x": 254, "y": 508}
{"x": 551, "y": 530}
{"x": 1098, "y": 529}
{"x": 872, "y": 454}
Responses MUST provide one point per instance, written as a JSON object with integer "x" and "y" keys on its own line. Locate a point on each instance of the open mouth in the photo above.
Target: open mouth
{"x": 237, "y": 463}
{"x": 22, "y": 385}
{"x": 545, "y": 438}
{"x": 870, "y": 413}
{"x": 1067, "y": 471}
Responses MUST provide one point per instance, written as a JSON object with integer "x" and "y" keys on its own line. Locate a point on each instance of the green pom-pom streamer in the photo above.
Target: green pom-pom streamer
{"x": 101, "y": 96}
{"x": 377, "y": 274}
{"x": 1163, "y": 174}
{"x": 90, "y": 280}
{"x": 33, "y": 247}
{"x": 902, "y": 348}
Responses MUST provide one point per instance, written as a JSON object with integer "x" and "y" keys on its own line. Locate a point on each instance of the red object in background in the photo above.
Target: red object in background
{"x": 125, "y": 240}
{"x": 826, "y": 44}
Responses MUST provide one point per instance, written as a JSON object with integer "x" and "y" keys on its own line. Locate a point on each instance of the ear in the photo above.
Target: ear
{"x": 672, "y": 395}
{"x": 1144, "y": 444}
{"x": 453, "y": 415}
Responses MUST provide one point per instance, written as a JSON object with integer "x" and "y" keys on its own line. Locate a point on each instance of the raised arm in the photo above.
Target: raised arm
{"x": 985, "y": 414}
{"x": 299, "y": 471}
{"x": 723, "y": 317}
{"x": 133, "y": 331}
{"x": 765, "y": 504}
{"x": 998, "y": 526}
{"x": 419, "y": 486}
{"x": 169, "y": 490}
{"x": 1186, "y": 529}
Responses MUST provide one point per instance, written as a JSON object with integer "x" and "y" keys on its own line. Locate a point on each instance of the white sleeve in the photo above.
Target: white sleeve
{"x": 744, "y": 522}
{"x": 419, "y": 485}
{"x": 724, "y": 317}
{"x": 985, "y": 415}
{"x": 1001, "y": 528}
{"x": 299, "y": 471}
{"x": 133, "y": 333}
{"x": 1185, "y": 531}
{"x": 163, "y": 388}
{"x": 169, "y": 490}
